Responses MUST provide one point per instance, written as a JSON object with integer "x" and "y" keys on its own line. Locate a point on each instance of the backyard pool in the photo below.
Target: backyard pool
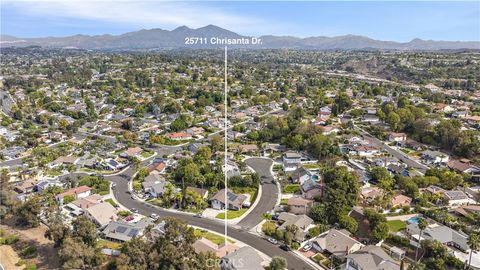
{"x": 413, "y": 220}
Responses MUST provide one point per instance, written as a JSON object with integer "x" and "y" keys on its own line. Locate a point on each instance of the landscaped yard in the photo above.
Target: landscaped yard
{"x": 246, "y": 190}
{"x": 110, "y": 201}
{"x": 101, "y": 243}
{"x": 232, "y": 214}
{"x": 215, "y": 238}
{"x": 147, "y": 154}
{"x": 396, "y": 225}
{"x": 291, "y": 188}
{"x": 283, "y": 201}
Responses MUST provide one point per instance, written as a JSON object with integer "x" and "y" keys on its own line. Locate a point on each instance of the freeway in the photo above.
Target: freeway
{"x": 269, "y": 194}
{"x": 123, "y": 196}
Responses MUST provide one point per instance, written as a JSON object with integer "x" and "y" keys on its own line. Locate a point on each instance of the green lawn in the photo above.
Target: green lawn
{"x": 396, "y": 225}
{"x": 52, "y": 172}
{"x": 283, "y": 201}
{"x": 146, "y": 154}
{"x": 232, "y": 214}
{"x": 246, "y": 190}
{"x": 101, "y": 243}
{"x": 215, "y": 238}
{"x": 291, "y": 188}
{"x": 110, "y": 201}
{"x": 311, "y": 166}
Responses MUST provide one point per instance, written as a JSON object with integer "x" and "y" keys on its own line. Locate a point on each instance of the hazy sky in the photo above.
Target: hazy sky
{"x": 398, "y": 21}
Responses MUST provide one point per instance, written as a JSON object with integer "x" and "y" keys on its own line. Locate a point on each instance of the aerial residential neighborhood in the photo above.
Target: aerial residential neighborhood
{"x": 127, "y": 156}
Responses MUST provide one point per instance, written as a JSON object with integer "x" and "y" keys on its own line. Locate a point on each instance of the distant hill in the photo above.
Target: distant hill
{"x": 164, "y": 39}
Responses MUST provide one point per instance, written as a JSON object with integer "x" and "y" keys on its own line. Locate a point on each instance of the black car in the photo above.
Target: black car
{"x": 285, "y": 247}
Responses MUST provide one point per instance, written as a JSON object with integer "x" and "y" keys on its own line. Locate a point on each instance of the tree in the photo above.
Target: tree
{"x": 380, "y": 232}
{"x": 269, "y": 228}
{"x": 474, "y": 244}
{"x": 84, "y": 229}
{"x": 6, "y": 201}
{"x": 348, "y": 223}
{"x": 278, "y": 263}
{"x": 28, "y": 212}
{"x": 187, "y": 172}
{"x": 134, "y": 255}
{"x": 394, "y": 120}
{"x": 318, "y": 213}
{"x": 422, "y": 225}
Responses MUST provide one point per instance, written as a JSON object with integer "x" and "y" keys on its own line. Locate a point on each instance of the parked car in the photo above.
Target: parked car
{"x": 285, "y": 247}
{"x": 154, "y": 216}
{"x": 134, "y": 210}
{"x": 307, "y": 247}
{"x": 272, "y": 240}
{"x": 114, "y": 185}
{"x": 198, "y": 215}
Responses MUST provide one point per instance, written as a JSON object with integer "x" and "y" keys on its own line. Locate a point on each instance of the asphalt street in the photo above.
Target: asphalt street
{"x": 123, "y": 196}
{"x": 269, "y": 194}
{"x": 394, "y": 152}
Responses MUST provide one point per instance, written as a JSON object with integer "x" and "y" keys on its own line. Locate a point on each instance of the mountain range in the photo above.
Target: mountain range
{"x": 165, "y": 39}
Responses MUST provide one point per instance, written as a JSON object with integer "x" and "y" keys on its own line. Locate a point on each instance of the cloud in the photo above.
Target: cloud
{"x": 145, "y": 14}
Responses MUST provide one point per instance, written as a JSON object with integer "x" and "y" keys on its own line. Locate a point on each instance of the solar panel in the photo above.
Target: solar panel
{"x": 121, "y": 229}
{"x": 133, "y": 233}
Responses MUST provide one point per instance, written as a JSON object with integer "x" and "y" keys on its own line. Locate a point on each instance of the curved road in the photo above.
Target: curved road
{"x": 123, "y": 197}
{"x": 269, "y": 192}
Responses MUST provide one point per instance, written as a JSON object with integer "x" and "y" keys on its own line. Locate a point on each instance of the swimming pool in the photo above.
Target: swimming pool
{"x": 413, "y": 220}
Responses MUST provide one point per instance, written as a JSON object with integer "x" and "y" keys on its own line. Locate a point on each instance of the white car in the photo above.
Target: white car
{"x": 154, "y": 216}
{"x": 272, "y": 240}
{"x": 307, "y": 247}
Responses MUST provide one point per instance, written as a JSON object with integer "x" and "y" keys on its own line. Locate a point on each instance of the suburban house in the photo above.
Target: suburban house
{"x": 366, "y": 150}
{"x": 204, "y": 245}
{"x": 154, "y": 186}
{"x": 370, "y": 258}
{"x": 400, "y": 200}
{"x": 311, "y": 189}
{"x": 397, "y": 137}
{"x": 235, "y": 202}
{"x": 434, "y": 157}
{"x": 369, "y": 193}
{"x": 177, "y": 136}
{"x": 291, "y": 160}
{"x": 337, "y": 242}
{"x": 200, "y": 191}
{"x": 158, "y": 167}
{"x": 271, "y": 148}
{"x": 299, "y": 205}
{"x": 300, "y": 175}
{"x": 132, "y": 152}
{"x": 441, "y": 233}
{"x": 64, "y": 160}
{"x": 121, "y": 231}
{"x": 25, "y": 187}
{"x": 77, "y": 192}
{"x": 245, "y": 258}
{"x": 302, "y": 222}
{"x": 457, "y": 197}
{"x": 248, "y": 148}
{"x": 101, "y": 214}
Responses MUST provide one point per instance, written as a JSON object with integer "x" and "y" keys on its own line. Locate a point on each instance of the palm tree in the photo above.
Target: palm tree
{"x": 474, "y": 244}
{"x": 422, "y": 225}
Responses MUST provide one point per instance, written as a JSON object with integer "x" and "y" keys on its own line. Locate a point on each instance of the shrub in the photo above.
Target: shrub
{"x": 398, "y": 240}
{"x": 31, "y": 266}
{"x": 9, "y": 240}
{"x": 269, "y": 228}
{"x": 28, "y": 251}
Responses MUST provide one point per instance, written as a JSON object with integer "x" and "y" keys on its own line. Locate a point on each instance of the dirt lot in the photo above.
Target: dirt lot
{"x": 47, "y": 257}
{"x": 9, "y": 258}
